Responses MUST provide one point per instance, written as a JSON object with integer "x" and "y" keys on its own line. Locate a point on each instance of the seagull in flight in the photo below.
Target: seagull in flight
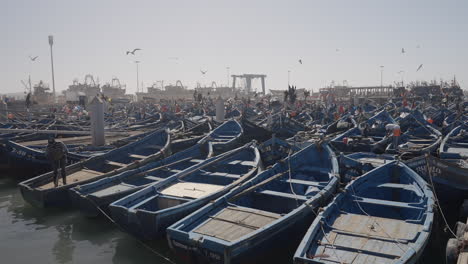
{"x": 33, "y": 58}
{"x": 203, "y": 72}
{"x": 133, "y": 52}
{"x": 300, "y": 61}
{"x": 402, "y": 50}
{"x": 420, "y": 67}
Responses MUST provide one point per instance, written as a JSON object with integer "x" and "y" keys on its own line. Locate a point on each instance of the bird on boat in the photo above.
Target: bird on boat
{"x": 300, "y": 61}
{"x": 203, "y": 72}
{"x": 33, "y": 58}
{"x": 420, "y": 67}
{"x": 132, "y": 52}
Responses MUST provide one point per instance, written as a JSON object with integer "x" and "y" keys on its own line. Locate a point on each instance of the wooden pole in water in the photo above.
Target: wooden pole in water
{"x": 97, "y": 122}
{"x": 220, "y": 109}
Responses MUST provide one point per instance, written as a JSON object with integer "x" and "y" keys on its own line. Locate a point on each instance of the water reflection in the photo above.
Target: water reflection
{"x": 64, "y": 246}
{"x": 65, "y": 236}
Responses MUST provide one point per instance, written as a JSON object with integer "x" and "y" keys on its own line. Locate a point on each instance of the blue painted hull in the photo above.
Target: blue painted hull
{"x": 148, "y": 212}
{"x": 293, "y": 215}
{"x": 363, "y": 224}
{"x": 40, "y": 192}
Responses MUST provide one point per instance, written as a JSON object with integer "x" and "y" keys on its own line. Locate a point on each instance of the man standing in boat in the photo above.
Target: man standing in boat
{"x": 57, "y": 152}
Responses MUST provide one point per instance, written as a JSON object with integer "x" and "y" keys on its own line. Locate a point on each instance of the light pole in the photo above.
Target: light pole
{"x": 401, "y": 75}
{"x": 228, "y": 68}
{"x": 289, "y": 75}
{"x": 381, "y": 76}
{"x": 51, "y": 43}
{"x": 137, "y": 62}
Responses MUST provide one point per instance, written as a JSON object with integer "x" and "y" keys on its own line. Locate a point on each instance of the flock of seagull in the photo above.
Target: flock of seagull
{"x": 402, "y": 51}
{"x": 203, "y": 72}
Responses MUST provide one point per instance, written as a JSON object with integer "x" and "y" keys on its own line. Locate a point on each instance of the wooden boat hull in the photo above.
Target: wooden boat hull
{"x": 241, "y": 242}
{"x": 96, "y": 196}
{"x": 40, "y": 191}
{"x": 148, "y": 212}
{"x": 385, "y": 216}
{"x": 21, "y": 160}
{"x": 450, "y": 181}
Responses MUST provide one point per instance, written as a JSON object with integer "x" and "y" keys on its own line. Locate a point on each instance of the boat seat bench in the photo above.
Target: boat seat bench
{"x": 117, "y": 164}
{"x": 153, "y": 178}
{"x": 285, "y": 195}
{"x": 136, "y": 156}
{"x": 303, "y": 182}
{"x": 384, "y": 203}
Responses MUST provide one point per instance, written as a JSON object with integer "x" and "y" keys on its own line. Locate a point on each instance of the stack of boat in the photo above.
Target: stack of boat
{"x": 339, "y": 192}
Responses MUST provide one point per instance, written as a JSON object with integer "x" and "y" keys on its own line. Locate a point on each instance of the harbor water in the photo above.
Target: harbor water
{"x": 31, "y": 235}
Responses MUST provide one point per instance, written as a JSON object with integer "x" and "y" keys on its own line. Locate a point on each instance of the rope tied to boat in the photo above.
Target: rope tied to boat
{"x": 136, "y": 239}
{"x": 377, "y": 223}
{"x": 436, "y": 199}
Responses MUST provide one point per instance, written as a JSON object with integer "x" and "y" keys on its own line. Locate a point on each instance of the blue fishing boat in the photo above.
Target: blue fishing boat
{"x": 356, "y": 164}
{"x": 94, "y": 197}
{"x": 449, "y": 176}
{"x": 41, "y": 192}
{"x": 345, "y": 123}
{"x": 24, "y": 160}
{"x": 148, "y": 212}
{"x": 225, "y": 136}
{"x": 455, "y": 144}
{"x": 419, "y": 136}
{"x": 369, "y": 136}
{"x": 384, "y": 216}
{"x": 262, "y": 215}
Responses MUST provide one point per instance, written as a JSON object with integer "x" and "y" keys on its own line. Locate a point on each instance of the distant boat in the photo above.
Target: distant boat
{"x": 419, "y": 136}
{"x": 455, "y": 144}
{"x": 356, "y": 164}
{"x": 263, "y": 215}
{"x": 362, "y": 140}
{"x": 40, "y": 191}
{"x": 384, "y": 216}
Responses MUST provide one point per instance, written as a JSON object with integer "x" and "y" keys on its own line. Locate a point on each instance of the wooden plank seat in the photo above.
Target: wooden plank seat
{"x": 136, "y": 156}
{"x": 304, "y": 182}
{"x": 232, "y": 222}
{"x": 191, "y": 189}
{"x": 388, "y": 203}
{"x": 114, "y": 189}
{"x": 116, "y": 164}
{"x": 154, "y": 178}
{"x": 284, "y": 195}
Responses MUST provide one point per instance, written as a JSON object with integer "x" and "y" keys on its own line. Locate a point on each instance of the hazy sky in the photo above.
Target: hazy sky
{"x": 248, "y": 36}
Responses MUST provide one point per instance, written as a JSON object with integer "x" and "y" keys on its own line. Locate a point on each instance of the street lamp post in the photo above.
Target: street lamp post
{"x": 289, "y": 75}
{"x": 381, "y": 76}
{"x": 51, "y": 43}
{"x": 401, "y": 75}
{"x": 228, "y": 68}
{"x": 137, "y": 62}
